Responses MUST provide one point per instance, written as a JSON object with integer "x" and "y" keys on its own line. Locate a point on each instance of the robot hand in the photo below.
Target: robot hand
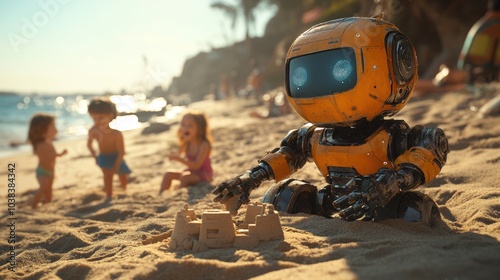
{"x": 240, "y": 186}
{"x": 374, "y": 192}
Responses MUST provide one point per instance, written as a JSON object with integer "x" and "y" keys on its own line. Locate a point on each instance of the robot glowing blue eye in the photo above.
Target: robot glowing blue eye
{"x": 299, "y": 77}
{"x": 342, "y": 70}
{"x": 322, "y": 73}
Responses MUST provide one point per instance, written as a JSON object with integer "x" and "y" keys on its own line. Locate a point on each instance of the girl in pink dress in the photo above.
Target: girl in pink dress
{"x": 195, "y": 145}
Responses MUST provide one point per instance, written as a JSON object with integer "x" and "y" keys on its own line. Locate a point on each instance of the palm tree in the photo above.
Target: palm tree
{"x": 243, "y": 7}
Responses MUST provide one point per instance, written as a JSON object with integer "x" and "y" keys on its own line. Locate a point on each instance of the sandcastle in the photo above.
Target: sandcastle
{"x": 216, "y": 228}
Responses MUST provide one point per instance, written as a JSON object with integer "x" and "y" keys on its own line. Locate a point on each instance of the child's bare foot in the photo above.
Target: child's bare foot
{"x": 107, "y": 201}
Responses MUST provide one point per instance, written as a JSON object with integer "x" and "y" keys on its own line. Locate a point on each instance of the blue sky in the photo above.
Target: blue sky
{"x": 80, "y": 46}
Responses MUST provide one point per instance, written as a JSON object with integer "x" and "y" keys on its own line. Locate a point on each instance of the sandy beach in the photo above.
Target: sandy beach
{"x": 80, "y": 235}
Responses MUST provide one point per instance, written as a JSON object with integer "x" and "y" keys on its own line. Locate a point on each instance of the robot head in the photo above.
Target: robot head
{"x": 349, "y": 71}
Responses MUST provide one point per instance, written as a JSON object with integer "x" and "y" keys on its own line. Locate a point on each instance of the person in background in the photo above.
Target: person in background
{"x": 480, "y": 55}
{"x": 110, "y": 142}
{"x": 277, "y": 105}
{"x": 42, "y": 132}
{"x": 479, "y": 60}
{"x": 195, "y": 145}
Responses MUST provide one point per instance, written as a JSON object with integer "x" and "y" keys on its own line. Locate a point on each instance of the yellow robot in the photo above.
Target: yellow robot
{"x": 344, "y": 77}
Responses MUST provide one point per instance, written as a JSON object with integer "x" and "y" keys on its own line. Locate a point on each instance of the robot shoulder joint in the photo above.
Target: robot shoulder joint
{"x": 432, "y": 139}
{"x": 298, "y": 139}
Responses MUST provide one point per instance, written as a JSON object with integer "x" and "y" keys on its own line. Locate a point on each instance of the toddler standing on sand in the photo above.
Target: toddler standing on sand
{"x": 41, "y": 133}
{"x": 110, "y": 142}
{"x": 195, "y": 145}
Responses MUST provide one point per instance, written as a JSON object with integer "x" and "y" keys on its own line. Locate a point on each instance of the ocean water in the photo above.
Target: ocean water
{"x": 72, "y": 118}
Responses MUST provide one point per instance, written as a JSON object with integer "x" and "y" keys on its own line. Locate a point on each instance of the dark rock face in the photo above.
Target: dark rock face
{"x": 203, "y": 73}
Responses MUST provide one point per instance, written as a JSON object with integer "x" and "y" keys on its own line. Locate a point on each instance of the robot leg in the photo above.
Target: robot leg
{"x": 294, "y": 196}
{"x": 411, "y": 206}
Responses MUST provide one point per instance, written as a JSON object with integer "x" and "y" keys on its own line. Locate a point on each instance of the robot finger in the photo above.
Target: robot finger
{"x": 355, "y": 197}
{"x": 347, "y": 200}
{"x": 244, "y": 198}
{"x": 352, "y": 216}
{"x": 341, "y": 202}
{"x": 226, "y": 195}
{"x": 220, "y": 188}
{"x": 353, "y": 212}
{"x": 218, "y": 197}
{"x": 236, "y": 206}
{"x": 358, "y": 205}
{"x": 357, "y": 215}
{"x": 347, "y": 212}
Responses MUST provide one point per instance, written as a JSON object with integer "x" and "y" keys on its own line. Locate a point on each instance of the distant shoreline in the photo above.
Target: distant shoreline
{"x": 9, "y": 93}
{"x": 25, "y": 148}
{"x": 48, "y": 94}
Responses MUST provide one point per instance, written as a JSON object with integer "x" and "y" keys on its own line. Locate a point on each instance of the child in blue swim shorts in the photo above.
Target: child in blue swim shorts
{"x": 110, "y": 142}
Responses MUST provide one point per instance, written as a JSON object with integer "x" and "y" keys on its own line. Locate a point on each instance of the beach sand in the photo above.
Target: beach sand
{"x": 80, "y": 235}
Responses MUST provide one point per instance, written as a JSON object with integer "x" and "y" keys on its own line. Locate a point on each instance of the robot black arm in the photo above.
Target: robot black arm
{"x": 292, "y": 154}
{"x": 422, "y": 153}
{"x": 277, "y": 164}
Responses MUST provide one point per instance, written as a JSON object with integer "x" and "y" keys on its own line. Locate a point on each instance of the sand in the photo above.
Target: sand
{"x": 80, "y": 235}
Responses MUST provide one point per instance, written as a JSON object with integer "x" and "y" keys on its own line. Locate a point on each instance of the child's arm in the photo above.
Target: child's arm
{"x": 62, "y": 153}
{"x": 90, "y": 139}
{"x": 120, "y": 146}
{"x": 203, "y": 153}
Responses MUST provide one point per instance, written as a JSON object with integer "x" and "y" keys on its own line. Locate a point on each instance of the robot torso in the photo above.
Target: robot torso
{"x": 342, "y": 153}
{"x": 348, "y": 152}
